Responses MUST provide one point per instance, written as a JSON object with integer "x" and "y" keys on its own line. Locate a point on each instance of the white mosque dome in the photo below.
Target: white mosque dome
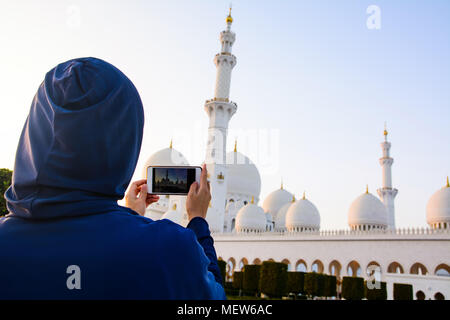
{"x": 302, "y": 215}
{"x": 275, "y": 200}
{"x": 280, "y": 219}
{"x": 367, "y": 210}
{"x": 173, "y": 215}
{"x": 250, "y": 218}
{"x": 438, "y": 207}
{"x": 243, "y": 176}
{"x": 165, "y": 157}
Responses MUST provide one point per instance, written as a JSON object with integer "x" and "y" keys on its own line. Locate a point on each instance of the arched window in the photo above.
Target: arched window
{"x": 242, "y": 263}
{"x": 230, "y": 268}
{"x": 256, "y": 261}
{"x": 442, "y": 270}
{"x": 418, "y": 268}
{"x": 335, "y": 268}
{"x": 354, "y": 269}
{"x": 286, "y": 261}
{"x": 373, "y": 271}
{"x": 317, "y": 266}
{"x": 300, "y": 266}
{"x": 395, "y": 267}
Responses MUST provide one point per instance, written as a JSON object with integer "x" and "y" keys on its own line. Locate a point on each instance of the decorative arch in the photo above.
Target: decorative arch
{"x": 353, "y": 269}
{"x": 373, "y": 269}
{"x": 442, "y": 270}
{"x": 301, "y": 266}
{"x": 317, "y": 266}
{"x": 256, "y": 261}
{"x": 271, "y": 260}
{"x": 286, "y": 261}
{"x": 335, "y": 268}
{"x": 231, "y": 264}
{"x": 395, "y": 267}
{"x": 242, "y": 263}
{"x": 418, "y": 268}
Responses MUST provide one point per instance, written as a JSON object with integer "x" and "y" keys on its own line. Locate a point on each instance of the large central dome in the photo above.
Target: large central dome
{"x": 243, "y": 176}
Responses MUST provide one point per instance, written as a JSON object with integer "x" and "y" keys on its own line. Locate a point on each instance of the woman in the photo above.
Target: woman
{"x": 66, "y": 237}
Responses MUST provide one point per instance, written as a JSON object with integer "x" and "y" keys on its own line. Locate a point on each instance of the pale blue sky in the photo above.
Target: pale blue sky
{"x": 310, "y": 69}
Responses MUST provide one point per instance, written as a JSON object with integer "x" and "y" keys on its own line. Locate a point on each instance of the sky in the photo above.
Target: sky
{"x": 311, "y": 77}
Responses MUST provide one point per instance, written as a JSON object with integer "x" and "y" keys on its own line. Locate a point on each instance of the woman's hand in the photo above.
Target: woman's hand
{"x": 137, "y": 198}
{"x": 199, "y": 196}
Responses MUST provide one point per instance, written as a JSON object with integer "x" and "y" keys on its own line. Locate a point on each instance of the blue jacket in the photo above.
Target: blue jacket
{"x": 66, "y": 237}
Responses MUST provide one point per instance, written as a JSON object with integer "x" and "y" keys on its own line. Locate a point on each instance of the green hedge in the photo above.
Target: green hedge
{"x": 314, "y": 284}
{"x": 330, "y": 286}
{"x": 376, "y": 294}
{"x": 273, "y": 278}
{"x": 403, "y": 291}
{"x": 237, "y": 280}
{"x": 295, "y": 282}
{"x": 223, "y": 269}
{"x": 352, "y": 288}
{"x": 250, "y": 281}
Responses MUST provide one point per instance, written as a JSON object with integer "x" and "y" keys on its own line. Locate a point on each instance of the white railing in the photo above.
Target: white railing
{"x": 341, "y": 232}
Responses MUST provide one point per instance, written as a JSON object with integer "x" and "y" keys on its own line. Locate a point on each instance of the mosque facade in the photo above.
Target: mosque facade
{"x": 288, "y": 230}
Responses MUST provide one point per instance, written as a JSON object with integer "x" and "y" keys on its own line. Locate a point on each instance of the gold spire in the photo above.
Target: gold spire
{"x": 235, "y": 145}
{"x": 304, "y": 195}
{"x": 174, "y": 207}
{"x": 385, "y": 131}
{"x": 293, "y": 198}
{"x": 229, "y": 18}
{"x": 448, "y": 184}
{"x": 170, "y": 144}
{"x": 367, "y": 189}
{"x": 281, "y": 187}
{"x": 253, "y": 200}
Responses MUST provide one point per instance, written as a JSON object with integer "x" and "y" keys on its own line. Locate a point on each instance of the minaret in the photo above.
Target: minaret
{"x": 386, "y": 192}
{"x": 220, "y": 110}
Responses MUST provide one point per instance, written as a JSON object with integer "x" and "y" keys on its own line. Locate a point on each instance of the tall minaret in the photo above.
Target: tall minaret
{"x": 386, "y": 192}
{"x": 220, "y": 110}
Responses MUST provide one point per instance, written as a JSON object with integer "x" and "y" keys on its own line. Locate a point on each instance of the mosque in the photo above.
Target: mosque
{"x": 287, "y": 229}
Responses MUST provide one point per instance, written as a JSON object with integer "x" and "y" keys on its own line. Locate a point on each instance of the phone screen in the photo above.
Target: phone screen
{"x": 170, "y": 180}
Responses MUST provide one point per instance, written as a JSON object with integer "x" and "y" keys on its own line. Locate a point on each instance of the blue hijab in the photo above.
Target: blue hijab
{"x": 77, "y": 151}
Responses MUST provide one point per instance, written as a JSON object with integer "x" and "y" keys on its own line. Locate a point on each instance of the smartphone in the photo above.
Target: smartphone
{"x": 172, "y": 180}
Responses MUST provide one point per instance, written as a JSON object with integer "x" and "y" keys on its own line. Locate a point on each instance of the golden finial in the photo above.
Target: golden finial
{"x": 170, "y": 144}
{"x": 304, "y": 195}
{"x": 235, "y": 145}
{"x": 367, "y": 189}
{"x": 253, "y": 200}
{"x": 229, "y": 18}
{"x": 174, "y": 207}
{"x": 281, "y": 187}
{"x": 448, "y": 184}
{"x": 385, "y": 130}
{"x": 293, "y": 198}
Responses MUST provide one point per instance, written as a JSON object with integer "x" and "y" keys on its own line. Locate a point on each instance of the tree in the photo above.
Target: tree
{"x": 223, "y": 267}
{"x": 237, "y": 280}
{"x": 5, "y": 182}
{"x": 273, "y": 278}
{"x": 295, "y": 282}
{"x": 250, "y": 281}
{"x": 352, "y": 288}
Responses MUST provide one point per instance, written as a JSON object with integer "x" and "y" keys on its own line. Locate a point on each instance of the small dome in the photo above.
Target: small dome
{"x": 243, "y": 176}
{"x": 438, "y": 207}
{"x": 302, "y": 214}
{"x": 165, "y": 157}
{"x": 250, "y": 218}
{"x": 280, "y": 220}
{"x": 367, "y": 210}
{"x": 275, "y": 200}
{"x": 173, "y": 215}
